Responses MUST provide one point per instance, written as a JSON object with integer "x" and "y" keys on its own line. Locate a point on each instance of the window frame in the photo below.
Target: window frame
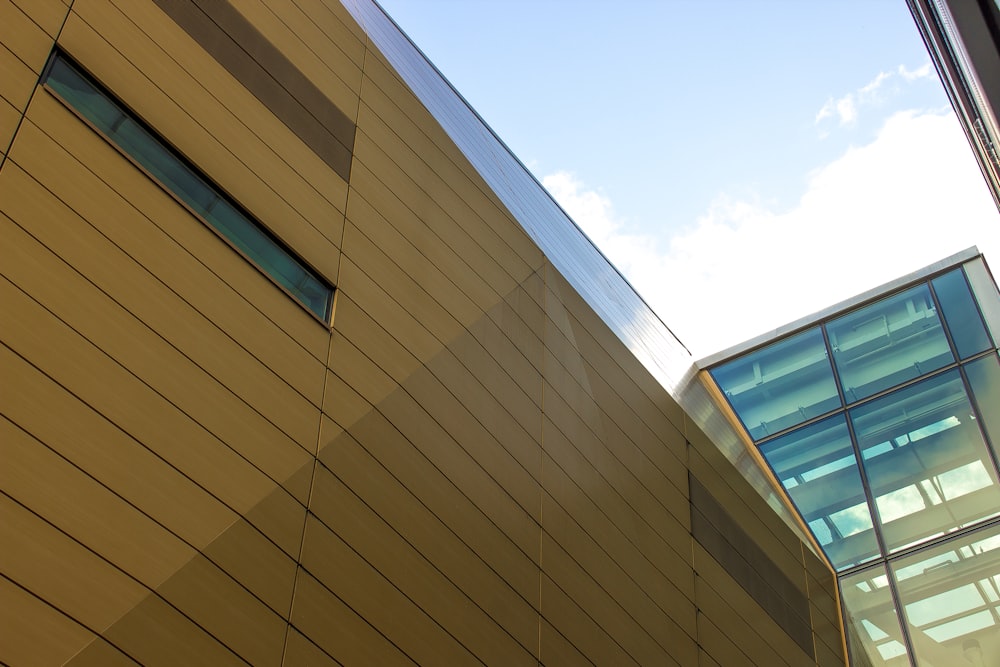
{"x": 58, "y": 55}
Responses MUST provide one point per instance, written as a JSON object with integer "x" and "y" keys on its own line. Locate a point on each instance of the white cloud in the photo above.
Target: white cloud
{"x": 847, "y": 107}
{"x": 847, "y": 110}
{"x": 872, "y": 86}
{"x": 825, "y": 112}
{"x": 912, "y": 196}
{"x": 921, "y": 72}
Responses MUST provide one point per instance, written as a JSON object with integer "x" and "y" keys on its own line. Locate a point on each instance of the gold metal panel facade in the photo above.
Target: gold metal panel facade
{"x": 214, "y": 121}
{"x": 466, "y": 465}
{"x": 29, "y": 41}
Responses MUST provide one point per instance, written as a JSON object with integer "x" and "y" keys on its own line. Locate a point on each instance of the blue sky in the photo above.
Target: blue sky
{"x": 744, "y": 163}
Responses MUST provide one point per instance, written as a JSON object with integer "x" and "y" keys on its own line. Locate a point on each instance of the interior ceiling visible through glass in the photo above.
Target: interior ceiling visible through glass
{"x": 882, "y": 424}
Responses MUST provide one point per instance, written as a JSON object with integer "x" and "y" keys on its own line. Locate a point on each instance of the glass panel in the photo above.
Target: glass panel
{"x": 873, "y": 631}
{"x": 985, "y": 291}
{"x": 984, "y": 379}
{"x": 261, "y": 249}
{"x": 961, "y": 314}
{"x": 781, "y": 385}
{"x": 189, "y": 186}
{"x": 79, "y": 92}
{"x": 164, "y": 166}
{"x": 926, "y": 461}
{"x": 888, "y": 342}
{"x": 819, "y": 469}
{"x": 951, "y": 600}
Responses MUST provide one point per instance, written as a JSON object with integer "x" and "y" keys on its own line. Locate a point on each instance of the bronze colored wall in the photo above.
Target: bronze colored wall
{"x": 466, "y": 466}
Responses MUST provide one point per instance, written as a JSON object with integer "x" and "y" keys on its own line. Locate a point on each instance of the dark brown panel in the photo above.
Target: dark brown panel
{"x": 256, "y": 63}
{"x": 749, "y": 565}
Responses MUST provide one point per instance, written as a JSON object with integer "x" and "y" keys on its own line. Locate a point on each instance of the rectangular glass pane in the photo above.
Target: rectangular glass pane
{"x": 81, "y": 94}
{"x": 985, "y": 291}
{"x": 887, "y": 343}
{"x": 961, "y": 314}
{"x": 163, "y": 165}
{"x": 984, "y": 380}
{"x": 781, "y": 385}
{"x": 874, "y": 634}
{"x": 950, "y": 596}
{"x": 177, "y": 176}
{"x": 926, "y": 461}
{"x": 819, "y": 469}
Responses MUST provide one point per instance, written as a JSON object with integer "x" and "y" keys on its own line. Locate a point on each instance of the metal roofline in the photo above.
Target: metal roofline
{"x": 848, "y": 304}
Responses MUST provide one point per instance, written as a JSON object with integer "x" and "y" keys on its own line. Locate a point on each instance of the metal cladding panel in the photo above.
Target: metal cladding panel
{"x": 566, "y": 246}
{"x": 570, "y": 250}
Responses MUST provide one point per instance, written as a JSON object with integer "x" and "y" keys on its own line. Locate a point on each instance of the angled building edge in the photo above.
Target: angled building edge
{"x": 299, "y": 366}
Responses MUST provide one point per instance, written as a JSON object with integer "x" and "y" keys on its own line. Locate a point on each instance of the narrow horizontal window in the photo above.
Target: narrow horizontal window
{"x": 130, "y": 135}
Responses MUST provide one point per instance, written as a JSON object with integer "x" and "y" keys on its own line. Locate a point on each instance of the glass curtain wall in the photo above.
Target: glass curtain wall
{"x": 883, "y": 426}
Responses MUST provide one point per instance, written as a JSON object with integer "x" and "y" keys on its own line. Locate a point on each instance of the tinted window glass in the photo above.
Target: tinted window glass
{"x": 961, "y": 314}
{"x": 189, "y": 186}
{"x": 781, "y": 385}
{"x": 873, "y": 631}
{"x": 984, "y": 378}
{"x": 950, "y": 595}
{"x": 887, "y": 343}
{"x": 818, "y": 467}
{"x": 928, "y": 467}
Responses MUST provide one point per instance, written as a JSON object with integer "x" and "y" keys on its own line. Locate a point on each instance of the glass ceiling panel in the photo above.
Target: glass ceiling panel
{"x": 961, "y": 314}
{"x": 873, "y": 629}
{"x": 926, "y": 461}
{"x": 984, "y": 379}
{"x": 818, "y": 467}
{"x": 951, "y": 600}
{"x": 781, "y": 385}
{"x": 887, "y": 343}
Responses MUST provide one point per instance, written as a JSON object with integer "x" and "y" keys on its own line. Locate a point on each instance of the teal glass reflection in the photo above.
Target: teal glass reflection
{"x": 961, "y": 314}
{"x": 984, "y": 380}
{"x": 987, "y": 297}
{"x": 188, "y": 185}
{"x": 874, "y": 634}
{"x": 78, "y": 91}
{"x": 950, "y": 596}
{"x": 926, "y": 461}
{"x": 781, "y": 385}
{"x": 887, "y": 343}
{"x": 819, "y": 470}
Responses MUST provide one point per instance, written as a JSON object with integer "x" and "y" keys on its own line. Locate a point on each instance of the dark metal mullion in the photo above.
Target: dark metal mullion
{"x": 865, "y": 484}
{"x": 893, "y": 594}
{"x": 897, "y": 600}
{"x": 944, "y": 322}
{"x": 870, "y": 498}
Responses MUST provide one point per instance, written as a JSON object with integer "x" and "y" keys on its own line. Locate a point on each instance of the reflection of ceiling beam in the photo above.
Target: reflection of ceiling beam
{"x": 772, "y": 370}
{"x": 929, "y": 652}
{"x": 815, "y": 498}
{"x": 882, "y": 616}
{"x": 800, "y": 455}
{"x": 953, "y": 514}
{"x": 932, "y": 455}
{"x": 921, "y": 405}
{"x": 854, "y": 549}
{"x": 948, "y": 577}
